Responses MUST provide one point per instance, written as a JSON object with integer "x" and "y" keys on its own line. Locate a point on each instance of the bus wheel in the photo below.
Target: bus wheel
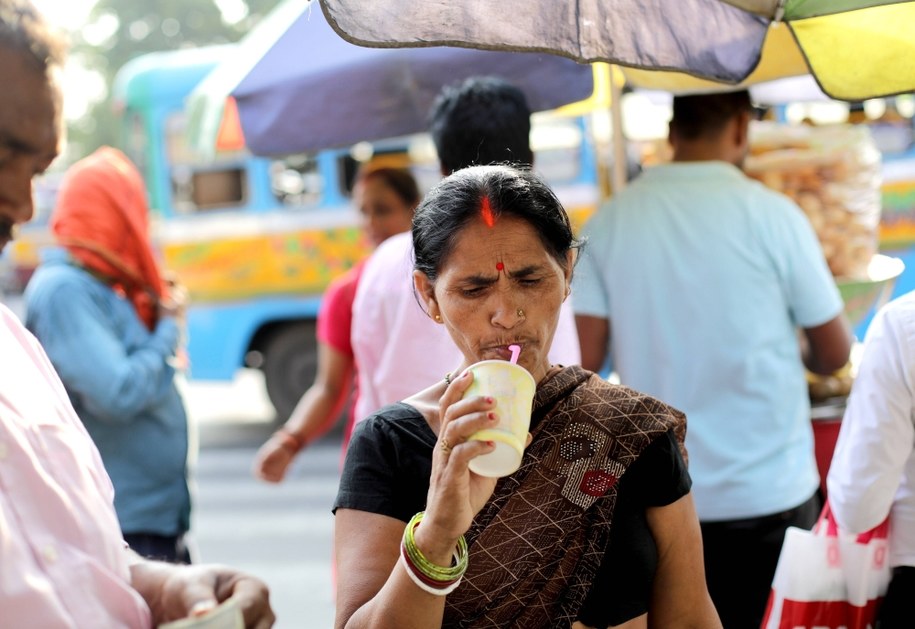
{"x": 290, "y": 365}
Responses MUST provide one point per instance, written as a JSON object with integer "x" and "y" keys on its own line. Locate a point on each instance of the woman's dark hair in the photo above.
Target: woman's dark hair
{"x": 400, "y": 180}
{"x": 487, "y": 193}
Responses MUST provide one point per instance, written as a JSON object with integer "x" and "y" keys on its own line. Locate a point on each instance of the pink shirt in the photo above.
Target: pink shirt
{"x": 398, "y": 348}
{"x": 63, "y": 561}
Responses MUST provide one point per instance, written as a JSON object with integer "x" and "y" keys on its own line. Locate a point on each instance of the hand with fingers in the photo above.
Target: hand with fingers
{"x": 175, "y": 591}
{"x": 175, "y": 302}
{"x": 456, "y": 494}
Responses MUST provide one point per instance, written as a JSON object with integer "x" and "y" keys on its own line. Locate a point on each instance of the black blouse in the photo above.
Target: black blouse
{"x": 389, "y": 463}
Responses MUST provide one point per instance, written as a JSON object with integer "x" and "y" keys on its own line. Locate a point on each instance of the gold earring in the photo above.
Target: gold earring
{"x": 520, "y": 313}
{"x": 438, "y": 318}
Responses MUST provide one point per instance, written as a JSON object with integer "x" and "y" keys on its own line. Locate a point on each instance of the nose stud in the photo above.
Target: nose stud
{"x": 520, "y": 313}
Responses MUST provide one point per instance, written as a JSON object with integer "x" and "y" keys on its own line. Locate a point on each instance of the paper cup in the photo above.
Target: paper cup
{"x": 513, "y": 389}
{"x": 226, "y": 616}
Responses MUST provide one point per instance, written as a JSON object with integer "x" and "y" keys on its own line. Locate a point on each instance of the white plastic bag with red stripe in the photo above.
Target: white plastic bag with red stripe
{"x": 827, "y": 579}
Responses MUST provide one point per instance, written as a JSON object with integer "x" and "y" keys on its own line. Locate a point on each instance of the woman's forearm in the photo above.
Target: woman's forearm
{"x": 324, "y": 400}
{"x": 400, "y": 604}
{"x": 374, "y": 588}
{"x": 316, "y": 410}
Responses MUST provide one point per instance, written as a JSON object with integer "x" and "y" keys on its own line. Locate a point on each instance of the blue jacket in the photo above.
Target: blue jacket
{"x": 122, "y": 386}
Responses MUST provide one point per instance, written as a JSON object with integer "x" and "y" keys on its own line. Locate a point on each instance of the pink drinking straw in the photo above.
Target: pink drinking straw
{"x": 515, "y": 350}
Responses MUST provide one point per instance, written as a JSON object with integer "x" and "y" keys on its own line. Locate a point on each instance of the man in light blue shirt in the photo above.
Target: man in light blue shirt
{"x": 706, "y": 277}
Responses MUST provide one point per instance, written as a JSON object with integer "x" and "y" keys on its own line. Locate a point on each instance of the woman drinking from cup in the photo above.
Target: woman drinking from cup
{"x": 596, "y": 527}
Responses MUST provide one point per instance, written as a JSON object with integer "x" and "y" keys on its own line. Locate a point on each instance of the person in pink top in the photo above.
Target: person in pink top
{"x": 399, "y": 348}
{"x": 63, "y": 560}
{"x": 386, "y": 198}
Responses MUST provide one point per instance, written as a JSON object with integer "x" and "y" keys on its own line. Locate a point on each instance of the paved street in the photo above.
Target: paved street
{"x": 283, "y": 533}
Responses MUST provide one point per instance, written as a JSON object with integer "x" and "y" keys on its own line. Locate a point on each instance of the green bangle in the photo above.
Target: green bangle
{"x": 429, "y": 569}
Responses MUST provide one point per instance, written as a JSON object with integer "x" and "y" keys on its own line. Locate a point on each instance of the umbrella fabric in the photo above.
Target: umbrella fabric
{"x": 299, "y": 87}
{"x": 642, "y": 33}
{"x": 855, "y": 49}
{"x": 860, "y": 46}
{"x": 782, "y": 58}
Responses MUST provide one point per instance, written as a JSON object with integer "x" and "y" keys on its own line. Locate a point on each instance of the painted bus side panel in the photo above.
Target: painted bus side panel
{"x": 256, "y": 261}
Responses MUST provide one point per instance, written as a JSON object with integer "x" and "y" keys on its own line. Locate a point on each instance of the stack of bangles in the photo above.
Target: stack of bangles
{"x": 289, "y": 441}
{"x": 426, "y": 575}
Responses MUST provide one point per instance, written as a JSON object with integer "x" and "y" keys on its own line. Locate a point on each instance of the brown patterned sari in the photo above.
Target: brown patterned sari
{"x": 538, "y": 543}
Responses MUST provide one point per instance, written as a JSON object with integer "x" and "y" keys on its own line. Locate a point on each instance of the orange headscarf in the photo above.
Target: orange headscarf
{"x": 102, "y": 218}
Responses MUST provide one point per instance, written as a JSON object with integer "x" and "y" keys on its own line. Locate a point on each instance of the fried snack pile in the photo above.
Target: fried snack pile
{"x": 833, "y": 174}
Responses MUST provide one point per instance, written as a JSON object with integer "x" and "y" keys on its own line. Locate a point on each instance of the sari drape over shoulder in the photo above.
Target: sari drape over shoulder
{"x": 537, "y": 545}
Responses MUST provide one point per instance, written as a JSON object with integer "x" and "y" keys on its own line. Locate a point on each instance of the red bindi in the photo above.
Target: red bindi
{"x": 499, "y": 266}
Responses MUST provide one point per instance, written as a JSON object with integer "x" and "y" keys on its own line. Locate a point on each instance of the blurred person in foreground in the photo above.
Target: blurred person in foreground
{"x": 595, "y": 529}
{"x": 386, "y": 198}
{"x": 110, "y": 325}
{"x": 872, "y": 474}
{"x": 696, "y": 280}
{"x": 63, "y": 560}
{"x": 398, "y": 348}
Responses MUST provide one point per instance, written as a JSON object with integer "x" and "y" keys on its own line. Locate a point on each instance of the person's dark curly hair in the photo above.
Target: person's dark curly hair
{"x": 705, "y": 115}
{"x": 483, "y": 120}
{"x": 23, "y": 29}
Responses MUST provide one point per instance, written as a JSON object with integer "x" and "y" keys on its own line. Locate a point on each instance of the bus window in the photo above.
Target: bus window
{"x": 296, "y": 181}
{"x": 217, "y": 188}
{"x": 391, "y": 154}
{"x": 556, "y": 143}
{"x": 347, "y": 167}
{"x": 196, "y": 186}
{"x": 201, "y": 189}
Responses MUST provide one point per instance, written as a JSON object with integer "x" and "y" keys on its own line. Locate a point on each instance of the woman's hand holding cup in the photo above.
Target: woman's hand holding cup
{"x": 456, "y": 494}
